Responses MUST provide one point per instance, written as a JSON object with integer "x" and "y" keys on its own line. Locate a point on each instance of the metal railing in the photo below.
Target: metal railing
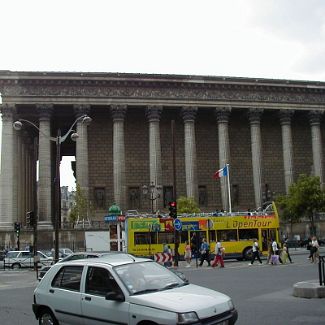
{"x": 321, "y": 270}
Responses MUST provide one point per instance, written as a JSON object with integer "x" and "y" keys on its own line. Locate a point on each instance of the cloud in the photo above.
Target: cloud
{"x": 298, "y": 20}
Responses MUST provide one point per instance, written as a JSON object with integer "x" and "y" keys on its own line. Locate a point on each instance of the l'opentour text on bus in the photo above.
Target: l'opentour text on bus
{"x": 147, "y": 236}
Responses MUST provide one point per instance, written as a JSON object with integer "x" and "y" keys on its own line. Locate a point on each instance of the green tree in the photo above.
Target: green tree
{"x": 83, "y": 207}
{"x": 305, "y": 198}
{"x": 187, "y": 205}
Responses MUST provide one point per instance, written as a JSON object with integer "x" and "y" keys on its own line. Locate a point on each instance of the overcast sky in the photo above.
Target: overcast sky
{"x": 281, "y": 39}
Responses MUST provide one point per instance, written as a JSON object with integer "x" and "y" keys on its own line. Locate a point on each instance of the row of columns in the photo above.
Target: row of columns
{"x": 13, "y": 148}
{"x": 222, "y": 115}
{"x": 18, "y": 166}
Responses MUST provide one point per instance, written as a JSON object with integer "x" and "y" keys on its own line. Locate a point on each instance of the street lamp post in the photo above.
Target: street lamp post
{"x": 155, "y": 192}
{"x": 17, "y": 125}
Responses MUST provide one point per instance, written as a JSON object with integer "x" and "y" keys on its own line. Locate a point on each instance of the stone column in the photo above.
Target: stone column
{"x": 27, "y": 176}
{"x": 45, "y": 182}
{"x": 285, "y": 121}
{"x": 189, "y": 115}
{"x": 256, "y": 146}
{"x": 82, "y": 168}
{"x": 8, "y": 175}
{"x": 20, "y": 174}
{"x": 118, "y": 114}
{"x": 153, "y": 114}
{"x": 316, "y": 139}
{"x": 222, "y": 115}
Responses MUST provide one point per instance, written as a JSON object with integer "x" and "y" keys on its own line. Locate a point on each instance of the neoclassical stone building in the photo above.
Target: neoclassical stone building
{"x": 269, "y": 131}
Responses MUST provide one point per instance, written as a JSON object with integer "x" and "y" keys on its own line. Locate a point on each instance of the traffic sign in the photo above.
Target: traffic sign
{"x": 178, "y": 224}
{"x": 163, "y": 257}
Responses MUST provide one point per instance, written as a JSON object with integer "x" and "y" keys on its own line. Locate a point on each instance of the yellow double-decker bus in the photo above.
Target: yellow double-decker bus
{"x": 147, "y": 236}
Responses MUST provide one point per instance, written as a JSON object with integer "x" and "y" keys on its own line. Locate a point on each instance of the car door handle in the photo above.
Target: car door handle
{"x": 51, "y": 291}
{"x": 88, "y": 298}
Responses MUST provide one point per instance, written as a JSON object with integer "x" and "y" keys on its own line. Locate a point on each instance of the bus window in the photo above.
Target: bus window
{"x": 227, "y": 235}
{"x": 248, "y": 234}
{"x": 141, "y": 238}
{"x": 144, "y": 238}
{"x": 212, "y": 235}
{"x": 165, "y": 237}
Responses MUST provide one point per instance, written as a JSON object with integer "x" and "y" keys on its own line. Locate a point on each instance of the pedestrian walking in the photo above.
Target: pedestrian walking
{"x": 288, "y": 253}
{"x": 205, "y": 252}
{"x": 255, "y": 253}
{"x": 270, "y": 251}
{"x": 188, "y": 254}
{"x": 168, "y": 250}
{"x": 275, "y": 253}
{"x": 194, "y": 245}
{"x": 218, "y": 257}
{"x": 314, "y": 250}
{"x": 284, "y": 253}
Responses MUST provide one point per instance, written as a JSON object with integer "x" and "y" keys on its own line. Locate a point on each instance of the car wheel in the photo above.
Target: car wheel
{"x": 247, "y": 253}
{"x": 47, "y": 318}
{"x": 16, "y": 266}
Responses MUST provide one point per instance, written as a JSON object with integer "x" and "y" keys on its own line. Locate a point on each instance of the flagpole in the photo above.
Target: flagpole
{"x": 228, "y": 185}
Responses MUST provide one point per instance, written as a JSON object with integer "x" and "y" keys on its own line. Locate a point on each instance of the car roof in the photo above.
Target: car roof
{"x": 113, "y": 259}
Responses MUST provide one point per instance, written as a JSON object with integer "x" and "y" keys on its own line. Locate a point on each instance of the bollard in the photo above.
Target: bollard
{"x": 321, "y": 270}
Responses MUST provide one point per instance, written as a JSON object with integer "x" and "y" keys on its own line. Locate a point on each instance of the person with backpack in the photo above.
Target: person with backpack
{"x": 205, "y": 252}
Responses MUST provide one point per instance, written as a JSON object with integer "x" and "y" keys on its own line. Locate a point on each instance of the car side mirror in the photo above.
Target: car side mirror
{"x": 117, "y": 296}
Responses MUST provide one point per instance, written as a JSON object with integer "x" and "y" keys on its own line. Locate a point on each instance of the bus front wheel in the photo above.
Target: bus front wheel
{"x": 247, "y": 253}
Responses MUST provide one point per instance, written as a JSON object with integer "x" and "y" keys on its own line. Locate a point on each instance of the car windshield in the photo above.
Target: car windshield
{"x": 145, "y": 277}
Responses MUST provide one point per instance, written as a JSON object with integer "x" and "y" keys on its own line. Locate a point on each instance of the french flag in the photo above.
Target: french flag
{"x": 221, "y": 172}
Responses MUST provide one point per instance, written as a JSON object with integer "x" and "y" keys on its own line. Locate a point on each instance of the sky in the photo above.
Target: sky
{"x": 278, "y": 39}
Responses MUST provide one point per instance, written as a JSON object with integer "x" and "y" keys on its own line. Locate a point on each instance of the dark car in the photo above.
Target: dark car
{"x": 305, "y": 242}
{"x": 292, "y": 243}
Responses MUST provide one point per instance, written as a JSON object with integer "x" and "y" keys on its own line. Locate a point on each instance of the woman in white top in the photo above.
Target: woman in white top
{"x": 314, "y": 249}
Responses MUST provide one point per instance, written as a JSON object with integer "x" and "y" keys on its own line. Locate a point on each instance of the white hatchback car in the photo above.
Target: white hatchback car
{"x": 18, "y": 259}
{"x": 123, "y": 289}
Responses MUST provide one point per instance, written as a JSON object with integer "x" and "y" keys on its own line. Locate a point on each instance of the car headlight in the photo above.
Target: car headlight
{"x": 187, "y": 318}
{"x": 230, "y": 304}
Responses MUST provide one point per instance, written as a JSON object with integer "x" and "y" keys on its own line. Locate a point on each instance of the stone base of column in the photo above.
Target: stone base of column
{"x": 45, "y": 225}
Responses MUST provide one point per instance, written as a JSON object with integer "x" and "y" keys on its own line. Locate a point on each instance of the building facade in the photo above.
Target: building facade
{"x": 167, "y": 130}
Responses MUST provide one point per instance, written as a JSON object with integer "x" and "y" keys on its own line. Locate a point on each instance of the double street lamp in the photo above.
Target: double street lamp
{"x": 154, "y": 192}
{"x": 17, "y": 125}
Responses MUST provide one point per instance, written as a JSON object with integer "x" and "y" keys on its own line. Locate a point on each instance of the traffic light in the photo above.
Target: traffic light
{"x": 17, "y": 228}
{"x": 30, "y": 219}
{"x": 173, "y": 209}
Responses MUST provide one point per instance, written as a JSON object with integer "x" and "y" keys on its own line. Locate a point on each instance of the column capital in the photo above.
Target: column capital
{"x": 285, "y": 116}
{"x": 189, "y": 113}
{"x": 81, "y": 109}
{"x": 153, "y": 113}
{"x": 118, "y": 112}
{"x": 223, "y": 114}
{"x": 315, "y": 116}
{"x": 44, "y": 111}
{"x": 8, "y": 111}
{"x": 254, "y": 115}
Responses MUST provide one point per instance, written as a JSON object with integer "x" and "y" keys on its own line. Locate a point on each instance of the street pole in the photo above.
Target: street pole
{"x": 35, "y": 206}
{"x": 176, "y": 233}
{"x": 57, "y": 220}
{"x": 152, "y": 199}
